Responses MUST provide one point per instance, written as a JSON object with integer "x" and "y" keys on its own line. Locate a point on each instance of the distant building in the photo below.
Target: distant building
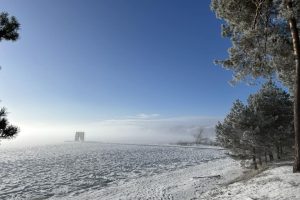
{"x": 79, "y": 136}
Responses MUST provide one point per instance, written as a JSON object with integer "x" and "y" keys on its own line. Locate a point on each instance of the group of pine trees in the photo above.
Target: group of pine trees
{"x": 260, "y": 129}
{"x": 265, "y": 43}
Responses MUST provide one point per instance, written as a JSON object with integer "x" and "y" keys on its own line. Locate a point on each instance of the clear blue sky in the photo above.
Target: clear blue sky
{"x": 95, "y": 60}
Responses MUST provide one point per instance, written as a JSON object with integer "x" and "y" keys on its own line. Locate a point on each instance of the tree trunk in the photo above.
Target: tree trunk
{"x": 260, "y": 161}
{"x": 271, "y": 156}
{"x": 254, "y": 159}
{"x": 296, "y": 47}
{"x": 266, "y": 158}
{"x": 278, "y": 153}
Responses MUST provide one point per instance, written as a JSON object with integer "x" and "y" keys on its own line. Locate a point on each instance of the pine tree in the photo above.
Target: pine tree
{"x": 265, "y": 42}
{"x": 274, "y": 108}
{"x": 7, "y": 131}
{"x": 9, "y": 27}
{"x": 229, "y": 133}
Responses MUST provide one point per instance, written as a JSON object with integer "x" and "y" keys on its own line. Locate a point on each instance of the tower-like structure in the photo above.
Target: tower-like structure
{"x": 79, "y": 136}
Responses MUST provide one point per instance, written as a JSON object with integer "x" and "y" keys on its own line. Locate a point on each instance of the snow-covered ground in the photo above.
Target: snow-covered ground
{"x": 114, "y": 171}
{"x": 276, "y": 183}
{"x": 207, "y": 181}
{"x": 83, "y": 169}
{"x": 180, "y": 184}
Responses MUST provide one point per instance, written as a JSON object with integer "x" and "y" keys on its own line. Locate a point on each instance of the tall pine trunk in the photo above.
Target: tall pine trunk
{"x": 296, "y": 48}
{"x": 254, "y": 158}
{"x": 278, "y": 152}
{"x": 266, "y": 158}
{"x": 271, "y": 156}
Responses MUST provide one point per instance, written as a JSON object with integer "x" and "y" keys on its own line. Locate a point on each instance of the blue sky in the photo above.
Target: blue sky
{"x": 85, "y": 61}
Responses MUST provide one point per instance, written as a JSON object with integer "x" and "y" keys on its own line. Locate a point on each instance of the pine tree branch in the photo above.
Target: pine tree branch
{"x": 258, "y": 4}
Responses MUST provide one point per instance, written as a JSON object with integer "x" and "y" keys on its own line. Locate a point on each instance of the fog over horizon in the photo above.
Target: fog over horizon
{"x": 139, "y": 129}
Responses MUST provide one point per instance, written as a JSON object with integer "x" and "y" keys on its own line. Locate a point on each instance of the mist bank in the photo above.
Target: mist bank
{"x": 142, "y": 129}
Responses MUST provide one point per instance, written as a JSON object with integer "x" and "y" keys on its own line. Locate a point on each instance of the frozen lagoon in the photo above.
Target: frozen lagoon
{"x": 112, "y": 171}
